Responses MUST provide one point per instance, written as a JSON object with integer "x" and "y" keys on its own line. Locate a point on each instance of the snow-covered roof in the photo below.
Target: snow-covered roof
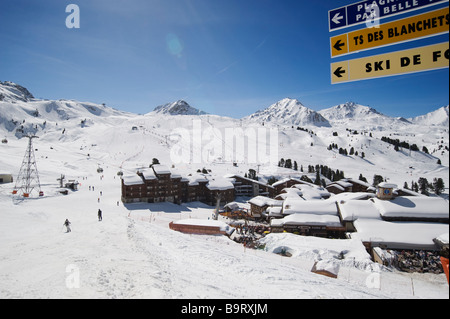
{"x": 357, "y": 181}
{"x": 337, "y": 186}
{"x": 443, "y": 239}
{"x": 350, "y": 196}
{"x": 400, "y": 235}
{"x": 195, "y": 179}
{"x": 280, "y": 182}
{"x": 300, "y": 206}
{"x": 274, "y": 211}
{"x": 291, "y": 191}
{"x": 413, "y": 207}
{"x": 344, "y": 183}
{"x": 161, "y": 169}
{"x": 283, "y": 196}
{"x": 353, "y": 209}
{"x": 220, "y": 184}
{"x": 148, "y": 174}
{"x": 237, "y": 205}
{"x": 387, "y": 185}
{"x": 311, "y": 192}
{"x": 132, "y": 180}
{"x": 308, "y": 220}
{"x": 265, "y": 201}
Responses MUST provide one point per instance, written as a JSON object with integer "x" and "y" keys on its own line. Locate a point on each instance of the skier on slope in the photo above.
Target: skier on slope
{"x": 67, "y": 224}
{"x": 99, "y": 215}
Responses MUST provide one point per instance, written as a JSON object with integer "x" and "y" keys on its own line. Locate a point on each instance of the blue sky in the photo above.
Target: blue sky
{"x": 229, "y": 58}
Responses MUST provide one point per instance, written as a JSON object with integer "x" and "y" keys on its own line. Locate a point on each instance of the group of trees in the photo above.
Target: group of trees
{"x": 332, "y": 175}
{"x": 424, "y": 187}
{"x": 288, "y": 164}
{"x": 343, "y": 151}
{"x": 397, "y": 144}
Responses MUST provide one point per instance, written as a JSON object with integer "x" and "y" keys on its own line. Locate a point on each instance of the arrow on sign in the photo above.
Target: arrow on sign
{"x": 339, "y": 71}
{"x": 337, "y": 18}
{"x": 338, "y": 46}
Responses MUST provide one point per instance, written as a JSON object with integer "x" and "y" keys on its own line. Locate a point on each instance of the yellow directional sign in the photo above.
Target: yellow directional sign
{"x": 415, "y": 60}
{"x": 417, "y": 27}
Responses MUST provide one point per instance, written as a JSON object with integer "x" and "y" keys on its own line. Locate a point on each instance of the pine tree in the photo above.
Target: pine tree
{"x": 438, "y": 185}
{"x": 377, "y": 179}
{"x": 317, "y": 181}
{"x": 295, "y": 166}
{"x": 423, "y": 185}
{"x": 252, "y": 174}
{"x": 362, "y": 178}
{"x": 288, "y": 163}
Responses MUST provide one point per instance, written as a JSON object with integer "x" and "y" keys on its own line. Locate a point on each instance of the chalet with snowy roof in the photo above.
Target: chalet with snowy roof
{"x": 310, "y": 225}
{"x": 309, "y": 218}
{"x": 219, "y": 189}
{"x": 341, "y": 186}
{"x": 260, "y": 204}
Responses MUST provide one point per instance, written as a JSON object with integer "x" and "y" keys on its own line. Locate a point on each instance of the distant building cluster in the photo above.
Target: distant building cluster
{"x": 384, "y": 216}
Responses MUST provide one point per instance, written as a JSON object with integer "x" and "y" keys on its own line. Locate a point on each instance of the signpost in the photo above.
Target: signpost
{"x": 368, "y": 10}
{"x": 432, "y": 57}
{"x": 417, "y": 27}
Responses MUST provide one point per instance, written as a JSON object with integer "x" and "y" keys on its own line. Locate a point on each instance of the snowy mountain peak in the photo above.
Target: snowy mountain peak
{"x": 179, "y": 107}
{"x": 349, "y": 110}
{"x": 291, "y": 112}
{"x": 12, "y": 92}
{"x": 440, "y": 117}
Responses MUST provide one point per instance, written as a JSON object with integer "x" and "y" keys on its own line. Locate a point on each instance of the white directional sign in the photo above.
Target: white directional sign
{"x": 371, "y": 10}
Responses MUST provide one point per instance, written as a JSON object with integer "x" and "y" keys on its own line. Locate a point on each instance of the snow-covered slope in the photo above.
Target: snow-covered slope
{"x": 179, "y": 107}
{"x": 435, "y": 118}
{"x": 132, "y": 253}
{"x": 289, "y": 112}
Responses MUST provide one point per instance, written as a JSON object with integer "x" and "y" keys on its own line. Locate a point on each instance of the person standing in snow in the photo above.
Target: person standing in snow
{"x": 67, "y": 224}
{"x": 99, "y": 215}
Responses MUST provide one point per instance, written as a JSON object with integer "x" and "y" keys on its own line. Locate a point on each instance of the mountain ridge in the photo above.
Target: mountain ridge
{"x": 287, "y": 111}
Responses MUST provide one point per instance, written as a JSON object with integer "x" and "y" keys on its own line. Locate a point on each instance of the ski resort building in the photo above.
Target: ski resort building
{"x": 248, "y": 187}
{"x": 159, "y": 184}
